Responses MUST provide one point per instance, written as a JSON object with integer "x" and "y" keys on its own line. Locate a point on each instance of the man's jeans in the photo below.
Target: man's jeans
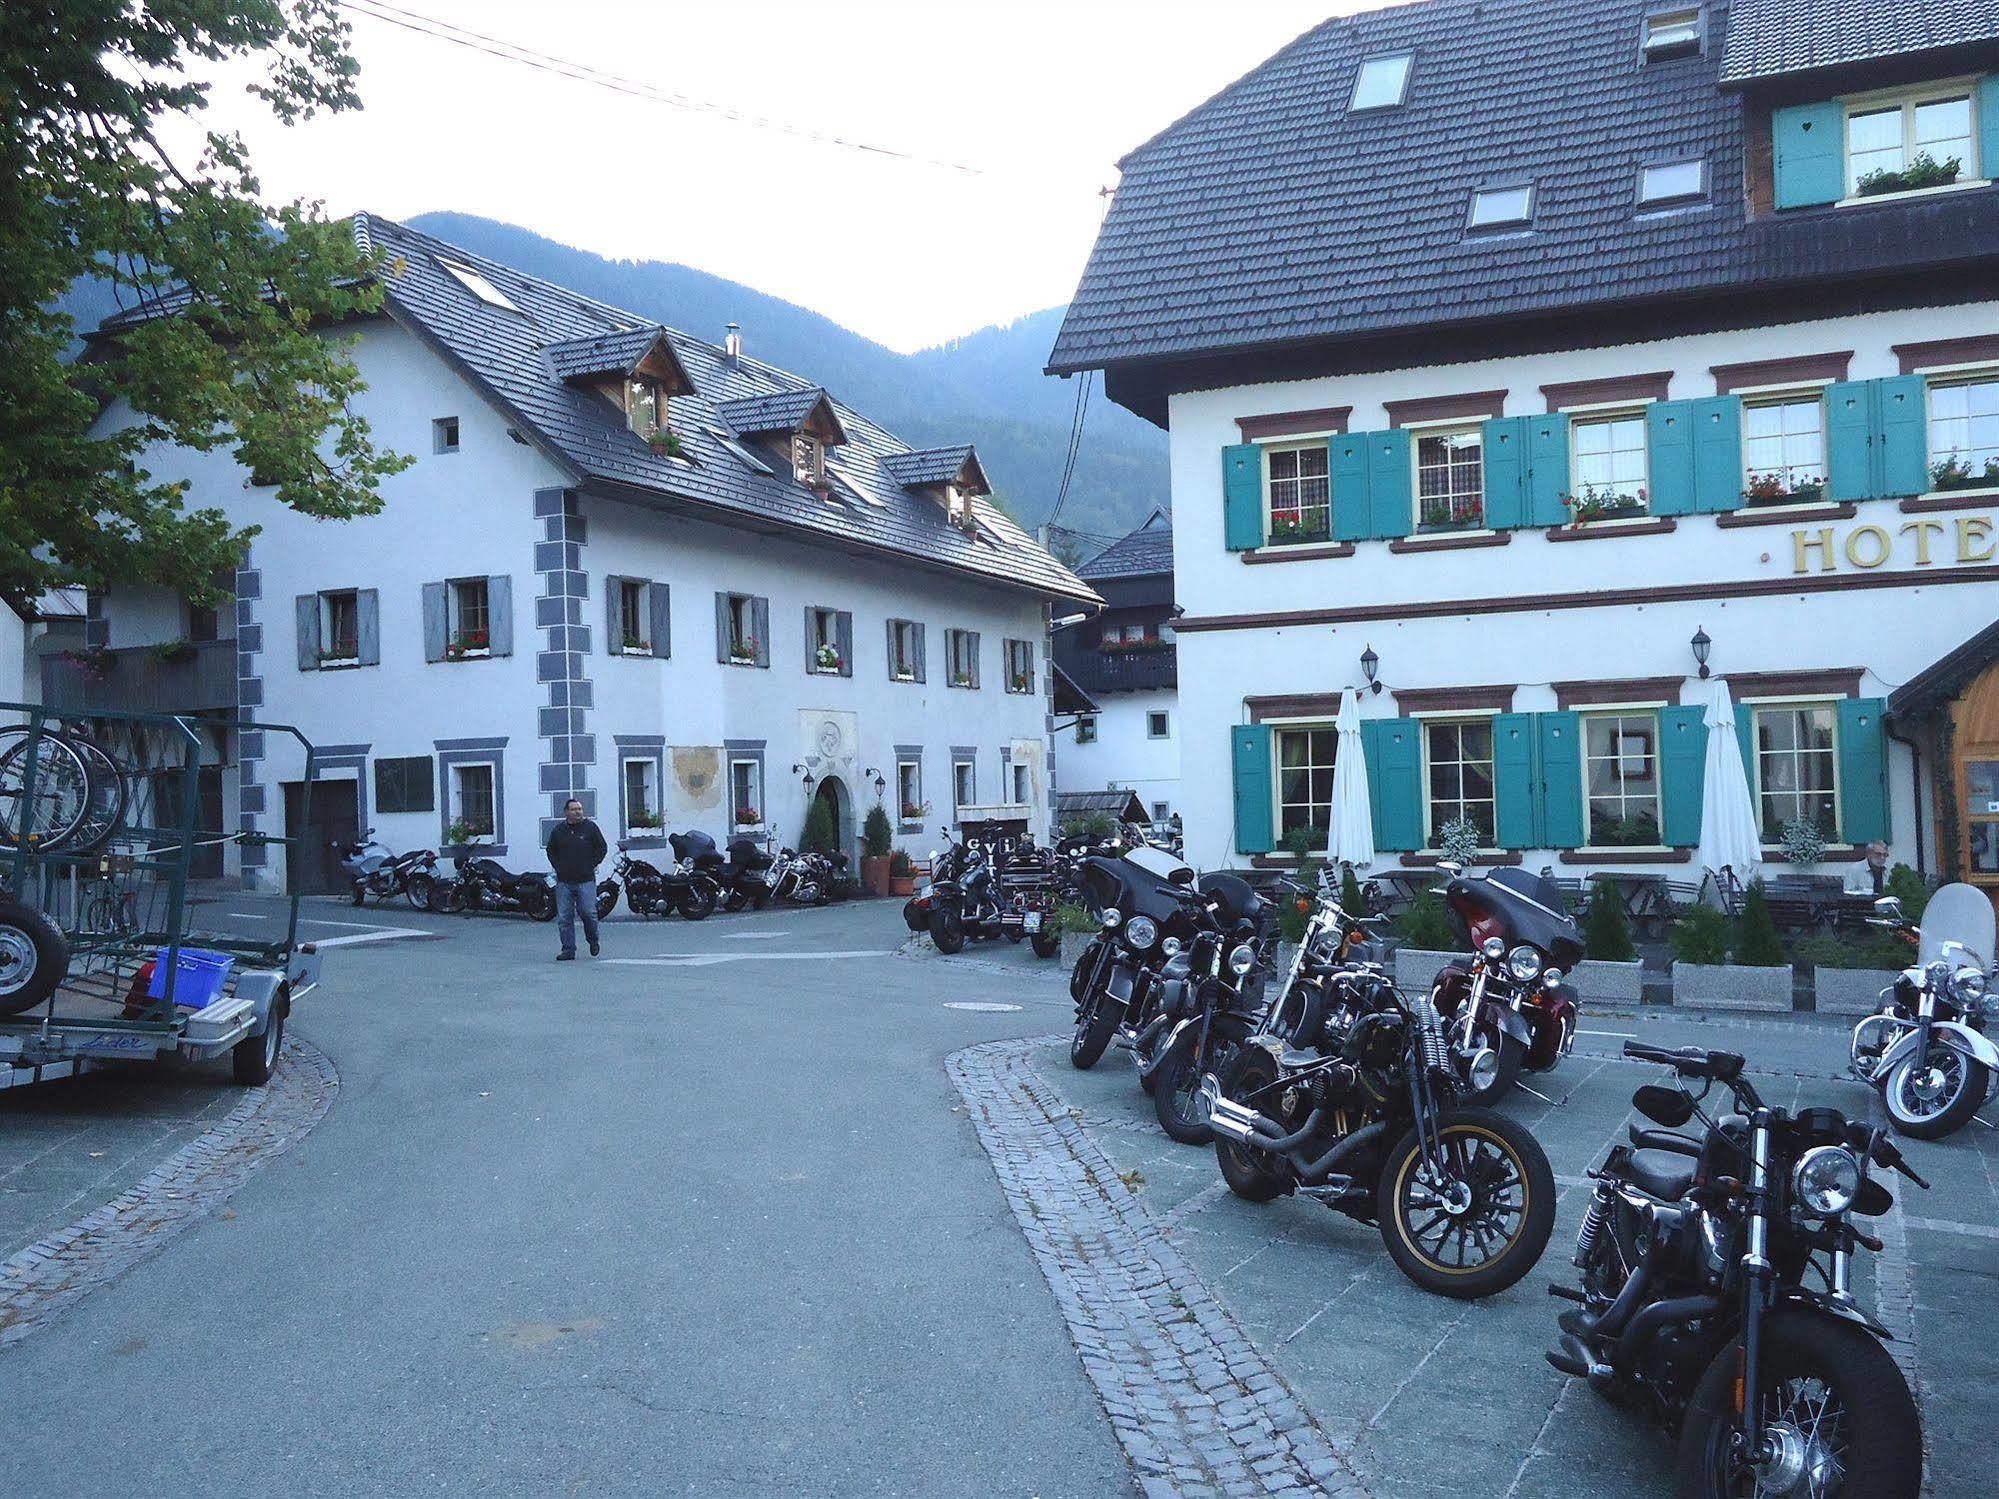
{"x": 569, "y": 900}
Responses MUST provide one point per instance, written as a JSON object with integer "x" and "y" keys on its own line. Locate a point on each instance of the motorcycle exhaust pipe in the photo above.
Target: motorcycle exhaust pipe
{"x": 1361, "y": 1139}
{"x": 1146, "y": 1037}
{"x": 1611, "y": 1323}
{"x": 1245, "y": 1126}
{"x": 1654, "y": 1318}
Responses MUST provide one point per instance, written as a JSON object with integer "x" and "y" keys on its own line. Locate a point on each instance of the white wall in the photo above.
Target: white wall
{"x": 1891, "y": 632}
{"x": 1124, "y": 755}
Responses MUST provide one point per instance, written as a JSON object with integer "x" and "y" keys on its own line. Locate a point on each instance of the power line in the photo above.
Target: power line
{"x": 1075, "y": 444}
{"x": 492, "y": 46}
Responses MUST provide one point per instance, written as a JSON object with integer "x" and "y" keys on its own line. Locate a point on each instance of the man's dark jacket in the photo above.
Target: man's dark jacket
{"x": 575, "y": 850}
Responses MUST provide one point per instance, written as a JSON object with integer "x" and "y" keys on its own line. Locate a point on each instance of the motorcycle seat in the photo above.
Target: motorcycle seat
{"x": 1662, "y": 1173}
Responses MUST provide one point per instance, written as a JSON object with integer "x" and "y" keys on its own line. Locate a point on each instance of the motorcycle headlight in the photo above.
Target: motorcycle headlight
{"x": 1968, "y": 988}
{"x": 1111, "y": 917}
{"x": 1141, "y": 932}
{"x": 1826, "y": 1180}
{"x": 1524, "y": 963}
{"x": 1242, "y": 960}
{"x": 1493, "y": 948}
{"x": 1171, "y": 947}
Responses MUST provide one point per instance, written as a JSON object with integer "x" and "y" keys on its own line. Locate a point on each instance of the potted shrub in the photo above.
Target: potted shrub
{"x": 818, "y": 836}
{"x": 174, "y": 652}
{"x": 826, "y": 659}
{"x": 1428, "y": 940}
{"x": 1724, "y": 965}
{"x": 876, "y": 836}
{"x": 1611, "y": 969}
{"x": 901, "y": 873}
{"x": 1804, "y": 843}
{"x": 1078, "y": 928}
{"x": 664, "y": 443}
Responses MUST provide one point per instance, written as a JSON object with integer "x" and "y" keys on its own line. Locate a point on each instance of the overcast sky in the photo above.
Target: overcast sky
{"x": 1042, "y": 97}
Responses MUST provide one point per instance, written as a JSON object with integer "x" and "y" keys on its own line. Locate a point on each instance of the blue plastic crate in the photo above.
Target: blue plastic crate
{"x": 200, "y": 979}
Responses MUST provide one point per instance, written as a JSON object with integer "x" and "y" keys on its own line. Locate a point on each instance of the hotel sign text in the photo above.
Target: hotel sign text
{"x": 1825, "y": 549}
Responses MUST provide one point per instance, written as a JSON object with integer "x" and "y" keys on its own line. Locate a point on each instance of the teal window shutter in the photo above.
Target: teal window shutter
{"x": 1863, "y": 770}
{"x": 1503, "y": 457}
{"x": 1669, "y": 456}
{"x": 1902, "y": 438}
{"x": 1346, "y": 461}
{"x": 1242, "y": 496}
{"x": 1849, "y": 440}
{"x": 1518, "y": 814}
{"x": 1394, "y": 750}
{"x": 1682, "y": 772}
{"x": 1389, "y": 505}
{"x": 1560, "y": 748}
{"x": 1718, "y": 454}
{"x": 1547, "y": 469}
{"x": 1255, "y": 811}
{"x": 1987, "y": 107}
{"x": 1807, "y": 142}
{"x": 1745, "y": 738}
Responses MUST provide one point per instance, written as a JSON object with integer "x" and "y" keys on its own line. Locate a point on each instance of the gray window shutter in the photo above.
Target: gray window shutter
{"x": 722, "y": 627}
{"x": 972, "y": 649}
{"x": 811, "y": 660}
{"x": 500, "y": 615}
{"x": 922, "y": 655}
{"x": 659, "y": 598}
{"x": 614, "y": 623}
{"x": 760, "y": 627}
{"x": 368, "y": 627}
{"x": 891, "y": 650}
{"x": 433, "y": 622}
{"x": 843, "y": 632}
{"x": 308, "y": 631}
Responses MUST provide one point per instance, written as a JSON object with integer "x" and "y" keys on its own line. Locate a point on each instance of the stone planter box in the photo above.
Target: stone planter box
{"x": 1073, "y": 944}
{"x": 1416, "y": 969}
{"x": 1731, "y": 986}
{"x": 1850, "y": 991}
{"x": 1609, "y": 983}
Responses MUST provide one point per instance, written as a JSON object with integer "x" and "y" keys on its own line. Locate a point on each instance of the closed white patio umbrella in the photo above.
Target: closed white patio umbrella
{"x": 1731, "y": 841}
{"x": 1352, "y": 836}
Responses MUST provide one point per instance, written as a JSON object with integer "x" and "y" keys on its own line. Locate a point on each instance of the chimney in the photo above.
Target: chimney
{"x": 732, "y": 345}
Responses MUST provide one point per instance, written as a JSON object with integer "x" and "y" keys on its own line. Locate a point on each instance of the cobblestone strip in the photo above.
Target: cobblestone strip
{"x": 1198, "y": 1410}
{"x": 45, "y": 1279}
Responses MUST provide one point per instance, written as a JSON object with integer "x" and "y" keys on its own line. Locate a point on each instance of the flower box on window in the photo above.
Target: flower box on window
{"x": 743, "y": 652}
{"x": 1134, "y": 647}
{"x": 664, "y": 443}
{"x": 1776, "y": 489}
{"x": 748, "y": 817}
{"x": 468, "y": 643}
{"x": 341, "y": 656}
{"x": 826, "y": 659}
{"x": 1296, "y": 530}
{"x": 646, "y": 821}
{"x": 1593, "y": 504}
{"x": 1451, "y": 513}
{"x": 915, "y": 811}
{"x": 1020, "y": 681}
{"x": 94, "y": 661}
{"x": 635, "y": 645}
{"x": 1954, "y": 473}
{"x": 961, "y": 679}
{"x": 1924, "y": 171}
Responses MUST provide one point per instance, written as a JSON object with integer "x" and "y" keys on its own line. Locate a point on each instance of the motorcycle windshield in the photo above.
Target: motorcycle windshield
{"x": 1960, "y": 914}
{"x": 1531, "y": 908}
{"x": 691, "y": 845}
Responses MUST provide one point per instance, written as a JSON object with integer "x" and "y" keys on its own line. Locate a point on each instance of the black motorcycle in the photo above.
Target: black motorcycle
{"x": 1212, "y": 994}
{"x": 1694, "y": 1306}
{"x": 1147, "y": 920}
{"x": 1365, "y": 1118}
{"x": 963, "y": 899}
{"x": 744, "y": 875}
{"x": 487, "y": 885}
{"x": 652, "y": 891}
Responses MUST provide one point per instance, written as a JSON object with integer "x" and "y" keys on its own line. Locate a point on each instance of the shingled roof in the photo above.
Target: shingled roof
{"x": 1274, "y": 216}
{"x": 778, "y": 411}
{"x": 937, "y": 466}
{"x": 1145, "y": 552}
{"x": 1767, "y": 38}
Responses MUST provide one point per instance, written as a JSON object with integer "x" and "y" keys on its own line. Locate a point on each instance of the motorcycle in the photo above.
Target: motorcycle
{"x": 378, "y": 872}
{"x": 652, "y": 891}
{"x": 1365, "y": 1117}
{"x": 1333, "y": 937}
{"x": 1507, "y": 1009}
{"x": 945, "y": 865}
{"x": 486, "y": 885}
{"x": 1147, "y": 920}
{"x": 1212, "y": 993}
{"x": 1926, "y": 1052}
{"x": 1693, "y": 1303}
{"x": 743, "y": 875}
{"x": 804, "y": 879}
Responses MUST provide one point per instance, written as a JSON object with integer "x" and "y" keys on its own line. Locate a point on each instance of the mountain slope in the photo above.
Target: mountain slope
{"x": 986, "y": 387}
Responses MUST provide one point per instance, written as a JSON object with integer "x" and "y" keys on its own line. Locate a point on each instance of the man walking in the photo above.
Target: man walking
{"x": 575, "y": 849}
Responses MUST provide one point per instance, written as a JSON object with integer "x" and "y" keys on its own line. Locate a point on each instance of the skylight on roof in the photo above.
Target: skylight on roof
{"x": 1672, "y": 33}
{"x": 1381, "y": 83}
{"x": 478, "y": 285}
{"x": 1501, "y": 207}
{"x": 742, "y": 454}
{"x": 1673, "y": 181}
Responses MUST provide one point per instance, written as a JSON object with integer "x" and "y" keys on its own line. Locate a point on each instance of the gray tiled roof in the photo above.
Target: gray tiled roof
{"x": 1143, "y": 553}
{"x": 1770, "y": 37}
{"x": 928, "y": 465}
{"x": 776, "y": 411}
{"x": 1270, "y": 215}
{"x": 602, "y": 353}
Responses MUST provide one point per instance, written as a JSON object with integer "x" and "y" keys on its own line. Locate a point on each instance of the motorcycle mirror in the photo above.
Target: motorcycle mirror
{"x": 1663, "y": 1105}
{"x": 1182, "y": 876}
{"x": 1888, "y": 908}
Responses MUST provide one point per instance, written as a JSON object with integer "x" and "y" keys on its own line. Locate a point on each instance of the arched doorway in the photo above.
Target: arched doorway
{"x": 840, "y": 803}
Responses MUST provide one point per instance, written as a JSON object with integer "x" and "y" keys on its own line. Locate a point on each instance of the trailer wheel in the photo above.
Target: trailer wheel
{"x": 34, "y": 957}
{"x": 252, "y": 1060}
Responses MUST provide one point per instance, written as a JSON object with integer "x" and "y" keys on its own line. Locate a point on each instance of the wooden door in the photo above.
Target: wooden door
{"x": 1975, "y": 769}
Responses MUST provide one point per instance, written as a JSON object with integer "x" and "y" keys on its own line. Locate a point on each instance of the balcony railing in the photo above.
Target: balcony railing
{"x": 1125, "y": 671}
{"x": 139, "y": 679}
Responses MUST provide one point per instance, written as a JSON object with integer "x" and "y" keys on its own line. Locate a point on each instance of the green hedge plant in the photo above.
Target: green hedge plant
{"x": 1427, "y": 925}
{"x": 1701, "y": 935}
{"x": 1757, "y": 944}
{"x": 876, "y": 834}
{"x": 1606, "y": 929}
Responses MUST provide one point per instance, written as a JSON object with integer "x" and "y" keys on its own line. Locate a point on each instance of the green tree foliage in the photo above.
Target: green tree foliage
{"x": 1427, "y": 925}
{"x": 819, "y": 836}
{"x": 1912, "y": 889}
{"x": 1606, "y": 929}
{"x": 1701, "y": 935}
{"x": 1757, "y": 944}
{"x": 90, "y": 190}
{"x": 876, "y": 834}
{"x": 1350, "y": 896}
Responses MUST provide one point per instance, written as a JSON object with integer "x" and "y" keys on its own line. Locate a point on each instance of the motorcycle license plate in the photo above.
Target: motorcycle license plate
{"x": 1031, "y": 922}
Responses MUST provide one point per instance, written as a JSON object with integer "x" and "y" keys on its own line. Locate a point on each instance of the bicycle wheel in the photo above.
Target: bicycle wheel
{"x": 61, "y": 791}
{"x": 105, "y": 812}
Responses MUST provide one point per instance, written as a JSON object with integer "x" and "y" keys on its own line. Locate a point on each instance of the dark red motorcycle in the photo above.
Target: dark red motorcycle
{"x": 1508, "y": 1009}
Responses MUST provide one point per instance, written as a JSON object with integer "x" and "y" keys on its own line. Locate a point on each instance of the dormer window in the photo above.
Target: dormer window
{"x": 958, "y": 505}
{"x": 1381, "y": 83}
{"x": 645, "y": 407}
{"x": 1907, "y": 142}
{"x": 1672, "y": 33}
{"x": 808, "y": 460}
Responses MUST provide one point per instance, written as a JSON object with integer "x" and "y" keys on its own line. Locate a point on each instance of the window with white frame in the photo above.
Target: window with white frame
{"x": 808, "y": 459}
{"x": 471, "y": 616}
{"x": 1964, "y": 432}
{"x": 964, "y": 782}
{"x": 742, "y": 622}
{"x": 1783, "y": 449}
{"x": 902, "y": 650}
{"x": 1020, "y": 666}
{"x": 472, "y": 798}
{"x": 1621, "y": 778}
{"x": 634, "y": 629}
{"x": 1158, "y": 725}
{"x": 1457, "y": 755}
{"x": 909, "y": 790}
{"x": 1023, "y": 784}
{"x": 1086, "y": 728}
{"x": 1450, "y": 480}
{"x": 645, "y": 407}
{"x": 1381, "y": 83}
{"x": 1914, "y": 140}
{"x": 961, "y": 651}
{"x": 825, "y": 643}
{"x": 1797, "y": 767}
{"x": 1607, "y": 465}
{"x": 746, "y": 792}
{"x": 1305, "y": 779}
{"x": 1299, "y": 494}
{"x": 1672, "y": 33}
{"x": 1672, "y": 181}
{"x": 641, "y": 789}
{"x": 1502, "y": 207}
{"x": 339, "y": 627}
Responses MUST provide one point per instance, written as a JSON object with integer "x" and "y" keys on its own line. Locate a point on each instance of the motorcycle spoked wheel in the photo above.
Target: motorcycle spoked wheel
{"x": 540, "y": 904}
{"x": 607, "y": 898}
{"x": 1930, "y": 1097}
{"x": 1841, "y": 1408}
{"x": 1253, "y": 1175}
{"x": 699, "y": 902}
{"x": 1479, "y": 1226}
{"x": 1079, "y": 976}
{"x": 1046, "y": 944}
{"x": 1176, "y": 1094}
{"x": 947, "y": 929}
{"x": 421, "y": 892}
{"x": 1094, "y": 1029}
